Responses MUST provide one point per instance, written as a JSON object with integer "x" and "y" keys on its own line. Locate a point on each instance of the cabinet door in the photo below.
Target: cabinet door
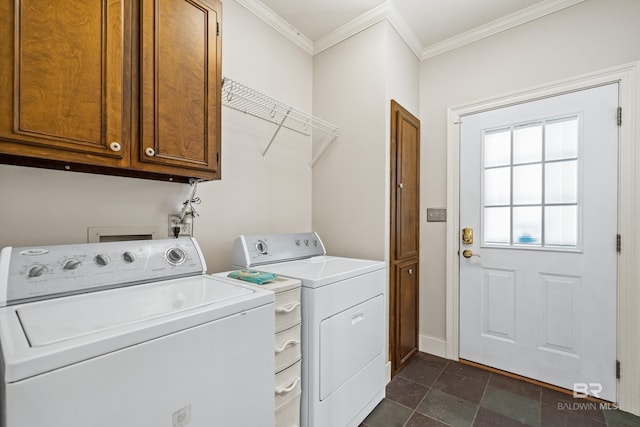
{"x": 180, "y": 87}
{"x": 407, "y": 180}
{"x": 406, "y": 293}
{"x": 61, "y": 76}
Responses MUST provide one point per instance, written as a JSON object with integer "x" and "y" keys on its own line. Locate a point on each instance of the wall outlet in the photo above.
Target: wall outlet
{"x": 186, "y": 226}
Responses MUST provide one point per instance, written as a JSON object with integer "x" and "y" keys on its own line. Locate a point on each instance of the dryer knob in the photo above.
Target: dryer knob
{"x": 261, "y": 247}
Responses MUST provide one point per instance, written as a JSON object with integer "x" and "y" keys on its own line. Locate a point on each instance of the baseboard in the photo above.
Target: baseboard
{"x": 432, "y": 345}
{"x": 387, "y": 372}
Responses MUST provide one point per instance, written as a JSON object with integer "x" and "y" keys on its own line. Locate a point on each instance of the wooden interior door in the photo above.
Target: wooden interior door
{"x": 405, "y": 236}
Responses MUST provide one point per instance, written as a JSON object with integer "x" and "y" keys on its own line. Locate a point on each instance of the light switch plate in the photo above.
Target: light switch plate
{"x": 436, "y": 214}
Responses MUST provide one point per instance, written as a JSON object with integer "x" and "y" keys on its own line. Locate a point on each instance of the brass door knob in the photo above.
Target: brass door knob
{"x": 468, "y": 253}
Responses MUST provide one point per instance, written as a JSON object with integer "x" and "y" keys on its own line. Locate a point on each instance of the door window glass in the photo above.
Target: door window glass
{"x": 527, "y": 143}
{"x": 497, "y": 225}
{"x": 530, "y": 184}
{"x": 497, "y": 148}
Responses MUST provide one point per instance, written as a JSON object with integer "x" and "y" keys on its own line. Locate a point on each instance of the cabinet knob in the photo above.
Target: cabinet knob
{"x": 115, "y": 146}
{"x": 149, "y": 152}
{"x": 411, "y": 271}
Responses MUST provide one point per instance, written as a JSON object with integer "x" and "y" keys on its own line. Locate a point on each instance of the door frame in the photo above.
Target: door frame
{"x": 628, "y": 341}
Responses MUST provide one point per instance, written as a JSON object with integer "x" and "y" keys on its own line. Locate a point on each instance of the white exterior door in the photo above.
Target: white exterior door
{"x": 538, "y": 187}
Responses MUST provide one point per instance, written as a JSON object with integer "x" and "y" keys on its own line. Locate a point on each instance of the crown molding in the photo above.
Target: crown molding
{"x": 513, "y": 20}
{"x": 278, "y": 23}
{"x": 385, "y": 11}
{"x": 351, "y": 28}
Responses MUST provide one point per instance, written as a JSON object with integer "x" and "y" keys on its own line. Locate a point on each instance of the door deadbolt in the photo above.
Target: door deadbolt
{"x": 467, "y": 236}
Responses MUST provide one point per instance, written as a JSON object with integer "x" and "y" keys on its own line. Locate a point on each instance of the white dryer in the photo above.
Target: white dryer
{"x": 131, "y": 334}
{"x": 343, "y": 324}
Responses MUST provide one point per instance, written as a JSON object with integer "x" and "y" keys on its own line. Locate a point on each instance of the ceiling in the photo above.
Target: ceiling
{"x": 427, "y": 22}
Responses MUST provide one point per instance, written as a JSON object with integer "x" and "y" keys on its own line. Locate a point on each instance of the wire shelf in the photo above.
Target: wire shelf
{"x": 249, "y": 101}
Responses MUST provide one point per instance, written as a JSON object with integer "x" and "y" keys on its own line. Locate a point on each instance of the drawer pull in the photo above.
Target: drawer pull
{"x": 287, "y": 344}
{"x": 288, "y": 308}
{"x": 287, "y": 389}
{"x": 357, "y": 318}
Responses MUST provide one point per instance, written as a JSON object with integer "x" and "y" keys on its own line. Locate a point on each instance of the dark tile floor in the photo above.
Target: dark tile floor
{"x": 436, "y": 392}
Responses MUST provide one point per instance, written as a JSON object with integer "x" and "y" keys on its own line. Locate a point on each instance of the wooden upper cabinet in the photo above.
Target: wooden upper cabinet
{"x": 180, "y": 87}
{"x": 120, "y": 87}
{"x": 61, "y": 79}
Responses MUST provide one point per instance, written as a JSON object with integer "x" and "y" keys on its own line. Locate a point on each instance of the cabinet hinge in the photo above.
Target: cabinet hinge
{"x": 619, "y": 116}
{"x": 617, "y": 369}
{"x": 217, "y": 28}
{"x": 618, "y": 243}
{"x": 217, "y": 158}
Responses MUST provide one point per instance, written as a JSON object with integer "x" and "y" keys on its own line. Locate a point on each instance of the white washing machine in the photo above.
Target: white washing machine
{"x": 343, "y": 324}
{"x": 131, "y": 334}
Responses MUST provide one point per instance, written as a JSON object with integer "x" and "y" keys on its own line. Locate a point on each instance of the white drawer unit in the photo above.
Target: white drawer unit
{"x": 287, "y": 349}
{"x": 288, "y": 346}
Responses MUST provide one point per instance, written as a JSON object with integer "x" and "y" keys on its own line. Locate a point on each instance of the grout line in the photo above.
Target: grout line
{"x": 481, "y": 397}
{"x": 414, "y": 410}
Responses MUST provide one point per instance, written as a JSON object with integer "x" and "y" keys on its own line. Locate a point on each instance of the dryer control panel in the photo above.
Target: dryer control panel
{"x": 41, "y": 272}
{"x": 259, "y": 249}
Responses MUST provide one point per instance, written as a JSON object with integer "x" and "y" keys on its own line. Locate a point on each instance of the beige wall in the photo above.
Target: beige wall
{"x": 255, "y": 195}
{"x": 590, "y": 36}
{"x": 354, "y": 82}
{"x": 349, "y": 180}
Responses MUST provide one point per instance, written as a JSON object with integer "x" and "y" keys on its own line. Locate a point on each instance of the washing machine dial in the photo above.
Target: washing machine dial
{"x": 175, "y": 256}
{"x": 129, "y": 257}
{"x": 37, "y": 270}
{"x": 71, "y": 264}
{"x": 102, "y": 259}
{"x": 261, "y": 247}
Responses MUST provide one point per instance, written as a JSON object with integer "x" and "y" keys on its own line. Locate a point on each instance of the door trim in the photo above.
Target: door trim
{"x": 628, "y": 77}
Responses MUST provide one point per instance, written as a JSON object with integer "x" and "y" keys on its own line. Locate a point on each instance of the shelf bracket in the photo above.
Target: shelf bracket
{"x": 264, "y": 153}
{"x": 322, "y": 150}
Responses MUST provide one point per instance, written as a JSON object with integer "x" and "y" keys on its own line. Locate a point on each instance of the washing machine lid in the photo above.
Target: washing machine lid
{"x": 41, "y": 336}
{"x": 62, "y": 319}
{"x": 322, "y": 270}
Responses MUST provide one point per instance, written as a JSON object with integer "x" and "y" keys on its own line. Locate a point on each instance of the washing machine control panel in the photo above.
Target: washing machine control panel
{"x": 258, "y": 249}
{"x": 32, "y": 273}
